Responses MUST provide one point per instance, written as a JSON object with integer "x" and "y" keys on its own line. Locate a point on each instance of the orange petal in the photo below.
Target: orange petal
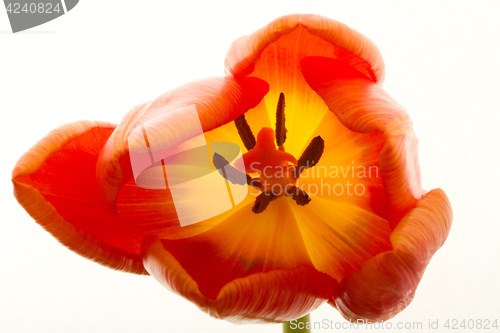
{"x": 217, "y": 100}
{"x": 275, "y": 53}
{"x": 345, "y": 69}
{"x": 274, "y": 296}
{"x": 363, "y": 106}
{"x": 349, "y": 169}
{"x": 386, "y": 284}
{"x": 340, "y": 236}
{"x": 57, "y": 166}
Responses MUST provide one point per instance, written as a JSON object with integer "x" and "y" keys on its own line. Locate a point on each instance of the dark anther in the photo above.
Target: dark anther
{"x": 262, "y": 201}
{"x": 228, "y": 171}
{"x": 280, "y": 122}
{"x": 234, "y": 175}
{"x": 245, "y": 132}
{"x": 300, "y": 196}
{"x": 310, "y": 157}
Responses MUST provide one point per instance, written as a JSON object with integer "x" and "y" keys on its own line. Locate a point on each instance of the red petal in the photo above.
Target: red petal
{"x": 58, "y": 175}
{"x": 55, "y": 181}
{"x": 274, "y": 296}
{"x": 217, "y": 100}
{"x": 386, "y": 284}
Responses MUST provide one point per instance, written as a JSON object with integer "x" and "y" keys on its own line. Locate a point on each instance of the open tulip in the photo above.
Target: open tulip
{"x": 363, "y": 249}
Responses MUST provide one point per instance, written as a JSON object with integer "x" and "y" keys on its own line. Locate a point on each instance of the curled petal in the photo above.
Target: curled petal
{"x": 217, "y": 100}
{"x": 346, "y": 43}
{"x": 386, "y": 283}
{"x": 274, "y": 296}
{"x": 43, "y": 191}
{"x": 363, "y": 106}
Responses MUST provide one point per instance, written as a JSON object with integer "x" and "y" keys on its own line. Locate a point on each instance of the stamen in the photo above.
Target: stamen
{"x": 280, "y": 123}
{"x": 232, "y": 174}
{"x": 300, "y": 196}
{"x": 228, "y": 171}
{"x": 310, "y": 157}
{"x": 262, "y": 201}
{"x": 245, "y": 132}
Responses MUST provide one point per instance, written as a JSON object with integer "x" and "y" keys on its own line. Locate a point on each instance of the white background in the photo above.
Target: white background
{"x": 103, "y": 57}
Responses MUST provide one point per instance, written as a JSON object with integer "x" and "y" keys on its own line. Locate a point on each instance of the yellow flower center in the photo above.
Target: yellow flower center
{"x": 278, "y": 170}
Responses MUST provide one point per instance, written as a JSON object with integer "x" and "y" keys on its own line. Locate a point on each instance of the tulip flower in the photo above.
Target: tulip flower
{"x": 303, "y": 95}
